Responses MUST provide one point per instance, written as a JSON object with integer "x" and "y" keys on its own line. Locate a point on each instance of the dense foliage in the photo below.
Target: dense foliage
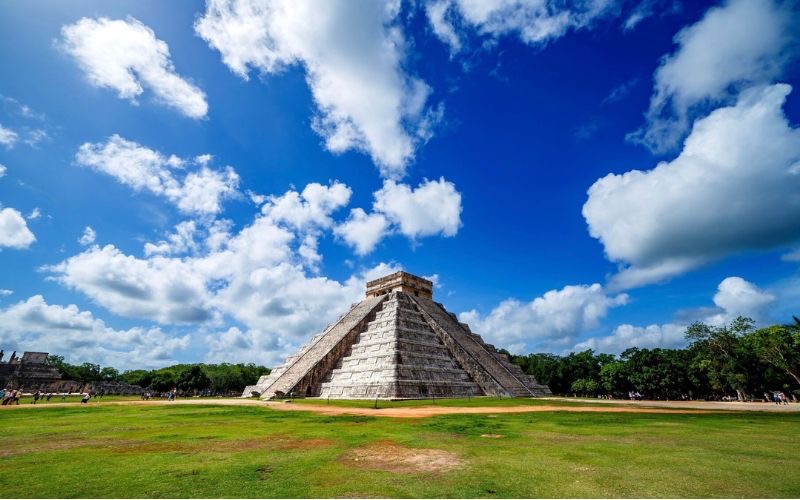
{"x": 220, "y": 379}
{"x": 734, "y": 360}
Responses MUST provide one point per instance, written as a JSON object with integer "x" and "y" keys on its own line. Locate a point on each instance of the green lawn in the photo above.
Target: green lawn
{"x": 224, "y": 451}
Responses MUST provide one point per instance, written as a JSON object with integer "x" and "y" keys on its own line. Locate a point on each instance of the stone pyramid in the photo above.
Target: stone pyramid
{"x": 397, "y": 344}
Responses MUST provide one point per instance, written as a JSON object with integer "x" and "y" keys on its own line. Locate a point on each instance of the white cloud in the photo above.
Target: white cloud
{"x": 362, "y": 231}
{"x": 181, "y": 241}
{"x": 735, "y": 297}
{"x": 550, "y": 322}
{"x": 710, "y": 201}
{"x": 793, "y": 256}
{"x": 434, "y": 207}
{"x": 735, "y": 45}
{"x": 126, "y": 56}
{"x": 310, "y": 209}
{"x": 353, "y": 56}
{"x": 8, "y": 137}
{"x": 14, "y": 231}
{"x": 666, "y": 336}
{"x": 35, "y": 214}
{"x": 4, "y": 292}
{"x": 648, "y": 8}
{"x": 35, "y": 136}
{"x": 3, "y": 170}
{"x": 201, "y": 191}
{"x": 535, "y": 22}
{"x": 35, "y": 325}
{"x": 88, "y": 236}
{"x": 13, "y": 106}
{"x": 307, "y": 213}
{"x": 169, "y": 291}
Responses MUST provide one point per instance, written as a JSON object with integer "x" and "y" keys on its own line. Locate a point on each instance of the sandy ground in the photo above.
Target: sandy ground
{"x": 597, "y": 405}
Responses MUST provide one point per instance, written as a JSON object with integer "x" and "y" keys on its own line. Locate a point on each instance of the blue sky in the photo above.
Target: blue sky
{"x": 190, "y": 181}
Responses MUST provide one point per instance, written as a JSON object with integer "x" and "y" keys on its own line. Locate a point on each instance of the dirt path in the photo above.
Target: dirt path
{"x": 430, "y": 411}
{"x": 593, "y": 406}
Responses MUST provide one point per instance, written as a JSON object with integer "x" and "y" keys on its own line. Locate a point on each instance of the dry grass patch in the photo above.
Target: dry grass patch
{"x": 391, "y": 457}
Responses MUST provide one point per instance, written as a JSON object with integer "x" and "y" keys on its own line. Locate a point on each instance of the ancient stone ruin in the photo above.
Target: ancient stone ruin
{"x": 395, "y": 344}
{"x": 31, "y": 372}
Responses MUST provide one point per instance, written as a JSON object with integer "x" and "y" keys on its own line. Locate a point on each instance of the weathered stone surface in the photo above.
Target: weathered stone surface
{"x": 302, "y": 373}
{"x": 397, "y": 343}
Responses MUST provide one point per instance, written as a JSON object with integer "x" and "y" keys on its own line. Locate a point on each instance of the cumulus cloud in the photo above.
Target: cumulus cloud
{"x": 3, "y": 170}
{"x": 738, "y": 297}
{"x": 735, "y": 297}
{"x": 165, "y": 290}
{"x": 35, "y": 325}
{"x": 307, "y": 213}
{"x": 4, "y": 292}
{"x": 735, "y": 45}
{"x": 666, "y": 336}
{"x": 547, "y": 323}
{"x": 433, "y": 207}
{"x": 200, "y": 191}
{"x": 126, "y": 56}
{"x": 353, "y": 56}
{"x": 88, "y": 236}
{"x": 181, "y": 241}
{"x": 8, "y": 137}
{"x": 363, "y": 231}
{"x": 14, "y": 232}
{"x": 710, "y": 201}
{"x": 535, "y": 22}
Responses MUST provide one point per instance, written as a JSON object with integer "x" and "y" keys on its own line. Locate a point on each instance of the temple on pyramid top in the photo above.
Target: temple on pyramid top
{"x": 397, "y": 343}
{"x": 400, "y": 282}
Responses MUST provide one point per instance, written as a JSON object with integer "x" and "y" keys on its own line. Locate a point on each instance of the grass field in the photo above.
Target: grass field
{"x": 251, "y": 451}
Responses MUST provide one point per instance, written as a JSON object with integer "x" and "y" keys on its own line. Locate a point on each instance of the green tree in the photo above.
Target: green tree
{"x": 723, "y": 355}
{"x": 585, "y": 386}
{"x": 193, "y": 378}
{"x": 779, "y": 345}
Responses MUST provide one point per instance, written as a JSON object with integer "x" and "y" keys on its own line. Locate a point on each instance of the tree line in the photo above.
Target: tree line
{"x": 188, "y": 378}
{"x": 733, "y": 360}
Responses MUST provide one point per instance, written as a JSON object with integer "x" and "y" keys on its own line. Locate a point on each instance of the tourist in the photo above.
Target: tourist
{"x": 776, "y": 397}
{"x": 784, "y": 400}
{"x": 49, "y": 395}
{"x": 17, "y": 396}
{"x": 36, "y": 396}
{"x": 85, "y": 398}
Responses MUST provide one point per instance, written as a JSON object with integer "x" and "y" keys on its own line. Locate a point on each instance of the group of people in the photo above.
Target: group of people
{"x": 10, "y": 396}
{"x": 634, "y": 396}
{"x": 778, "y": 397}
{"x": 169, "y": 395}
